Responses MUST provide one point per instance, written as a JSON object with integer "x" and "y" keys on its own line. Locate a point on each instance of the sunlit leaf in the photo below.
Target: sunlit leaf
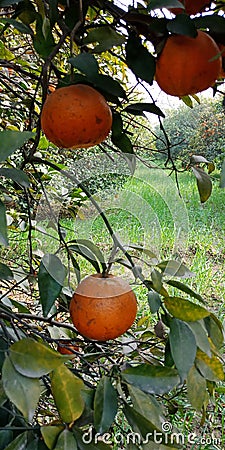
{"x": 34, "y": 359}
{"x": 105, "y": 405}
{"x": 152, "y": 379}
{"x": 24, "y": 392}
{"x": 196, "y": 388}
{"x": 182, "y": 342}
{"x": 183, "y": 309}
{"x": 66, "y": 390}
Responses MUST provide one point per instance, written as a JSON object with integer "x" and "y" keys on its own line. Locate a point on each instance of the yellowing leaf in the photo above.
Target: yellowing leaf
{"x": 66, "y": 390}
{"x": 184, "y": 309}
{"x": 210, "y": 368}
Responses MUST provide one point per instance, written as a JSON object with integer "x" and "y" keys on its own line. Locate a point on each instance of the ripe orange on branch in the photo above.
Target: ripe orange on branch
{"x": 192, "y": 7}
{"x": 103, "y": 308}
{"x": 188, "y": 65}
{"x": 76, "y": 116}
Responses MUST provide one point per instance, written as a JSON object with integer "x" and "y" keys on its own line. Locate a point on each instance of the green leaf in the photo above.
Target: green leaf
{"x": 66, "y": 390}
{"x": 210, "y": 368}
{"x": 85, "y": 63}
{"x": 187, "y": 100}
{"x": 139, "y": 60}
{"x": 11, "y": 140}
{"x": 16, "y": 175}
{"x": 33, "y": 359}
{"x": 105, "y": 405}
{"x": 6, "y": 436}
{"x": 8, "y": 2}
{"x": 84, "y": 251}
{"x": 5, "y": 272}
{"x": 139, "y": 108}
{"x": 51, "y": 277}
{"x": 3, "y": 225}
{"x": 213, "y": 22}
{"x": 140, "y": 424}
{"x": 43, "y": 40}
{"x": 183, "y": 346}
{"x": 183, "y": 309}
{"x": 215, "y": 330}
{"x": 21, "y": 27}
{"x": 20, "y": 443}
{"x": 107, "y": 85}
{"x": 50, "y": 434}
{"x": 152, "y": 379}
{"x": 184, "y": 288}
{"x": 148, "y": 406}
{"x": 159, "y": 4}
{"x": 175, "y": 268}
{"x": 182, "y": 24}
{"x": 201, "y": 337}
{"x": 156, "y": 277}
{"x": 204, "y": 183}
{"x": 93, "y": 249}
{"x": 222, "y": 175}
{"x": 154, "y": 301}
{"x": 66, "y": 441}
{"x": 106, "y": 37}
{"x": 22, "y": 391}
{"x": 196, "y": 388}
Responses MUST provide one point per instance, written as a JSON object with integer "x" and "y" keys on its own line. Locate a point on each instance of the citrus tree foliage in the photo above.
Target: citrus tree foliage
{"x": 195, "y": 131}
{"x": 50, "y": 400}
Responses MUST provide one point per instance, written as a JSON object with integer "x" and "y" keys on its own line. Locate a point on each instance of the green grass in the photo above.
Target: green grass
{"x": 149, "y": 212}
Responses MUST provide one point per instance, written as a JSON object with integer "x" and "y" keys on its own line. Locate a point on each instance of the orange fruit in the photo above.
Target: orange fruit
{"x": 192, "y": 7}
{"x": 66, "y": 348}
{"x": 103, "y": 308}
{"x": 76, "y": 116}
{"x": 188, "y": 65}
